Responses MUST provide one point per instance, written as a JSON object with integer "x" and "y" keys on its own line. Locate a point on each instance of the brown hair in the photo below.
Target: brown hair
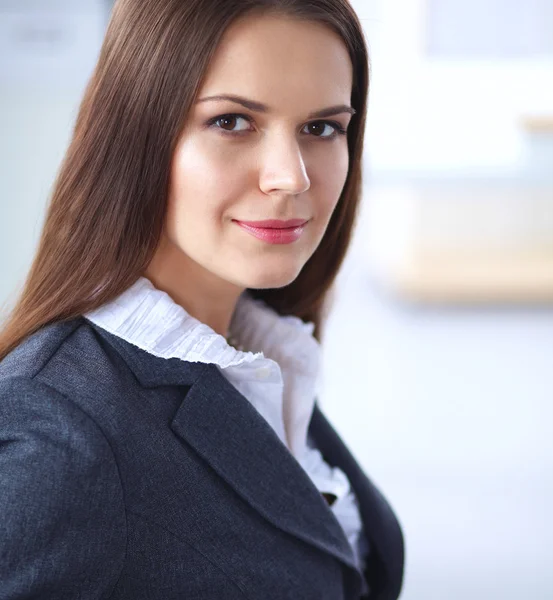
{"x": 105, "y": 217}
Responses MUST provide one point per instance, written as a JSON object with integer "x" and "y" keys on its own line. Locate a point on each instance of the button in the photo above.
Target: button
{"x": 330, "y": 498}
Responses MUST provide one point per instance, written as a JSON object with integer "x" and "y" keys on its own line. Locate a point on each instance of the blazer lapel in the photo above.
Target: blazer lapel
{"x": 229, "y": 434}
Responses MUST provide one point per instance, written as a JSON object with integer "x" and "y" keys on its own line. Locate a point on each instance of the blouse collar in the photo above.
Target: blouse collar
{"x": 150, "y": 319}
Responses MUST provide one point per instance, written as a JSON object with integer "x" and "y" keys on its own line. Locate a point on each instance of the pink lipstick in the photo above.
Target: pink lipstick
{"x": 274, "y": 231}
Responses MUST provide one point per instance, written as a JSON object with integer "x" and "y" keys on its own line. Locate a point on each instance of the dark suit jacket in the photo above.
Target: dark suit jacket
{"x": 128, "y": 476}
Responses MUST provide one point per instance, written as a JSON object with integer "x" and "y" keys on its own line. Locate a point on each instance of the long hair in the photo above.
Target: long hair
{"x": 107, "y": 208}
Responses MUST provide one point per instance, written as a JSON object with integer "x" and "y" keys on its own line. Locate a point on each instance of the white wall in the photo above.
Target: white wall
{"x": 47, "y": 52}
{"x": 35, "y": 128}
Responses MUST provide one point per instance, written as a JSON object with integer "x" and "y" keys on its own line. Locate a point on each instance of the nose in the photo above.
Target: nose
{"x": 282, "y": 167}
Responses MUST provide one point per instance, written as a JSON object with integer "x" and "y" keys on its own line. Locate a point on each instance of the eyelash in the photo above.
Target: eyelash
{"x": 338, "y": 129}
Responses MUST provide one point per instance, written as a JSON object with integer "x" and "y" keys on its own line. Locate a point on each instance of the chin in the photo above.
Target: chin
{"x": 269, "y": 278}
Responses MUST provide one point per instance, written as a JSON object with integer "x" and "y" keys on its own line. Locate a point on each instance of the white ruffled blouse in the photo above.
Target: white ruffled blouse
{"x": 279, "y": 374}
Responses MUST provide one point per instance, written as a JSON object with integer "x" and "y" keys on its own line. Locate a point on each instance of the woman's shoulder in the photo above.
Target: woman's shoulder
{"x": 45, "y": 430}
{"x": 111, "y": 381}
{"x": 43, "y": 378}
{"x": 36, "y": 350}
{"x": 56, "y": 467}
{"x": 65, "y": 359}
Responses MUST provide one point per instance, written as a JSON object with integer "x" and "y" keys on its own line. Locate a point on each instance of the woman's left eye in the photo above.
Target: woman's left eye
{"x": 319, "y": 128}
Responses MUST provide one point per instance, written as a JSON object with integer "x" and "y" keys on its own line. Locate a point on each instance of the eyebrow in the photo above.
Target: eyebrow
{"x": 263, "y": 108}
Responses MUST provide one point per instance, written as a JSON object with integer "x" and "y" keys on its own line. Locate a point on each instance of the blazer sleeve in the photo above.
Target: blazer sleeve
{"x": 62, "y": 516}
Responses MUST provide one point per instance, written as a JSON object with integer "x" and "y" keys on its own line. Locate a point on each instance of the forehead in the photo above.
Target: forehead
{"x": 286, "y": 63}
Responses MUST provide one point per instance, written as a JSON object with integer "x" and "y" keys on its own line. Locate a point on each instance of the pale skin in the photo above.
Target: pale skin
{"x": 277, "y": 163}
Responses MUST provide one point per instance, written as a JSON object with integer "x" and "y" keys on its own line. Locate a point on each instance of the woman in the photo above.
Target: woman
{"x": 160, "y": 436}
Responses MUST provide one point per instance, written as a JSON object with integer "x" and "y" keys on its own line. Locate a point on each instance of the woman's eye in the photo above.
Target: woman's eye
{"x": 325, "y": 129}
{"x": 236, "y": 124}
{"x": 230, "y": 122}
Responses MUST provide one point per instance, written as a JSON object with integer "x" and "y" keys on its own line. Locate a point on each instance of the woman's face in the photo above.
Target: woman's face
{"x": 264, "y": 155}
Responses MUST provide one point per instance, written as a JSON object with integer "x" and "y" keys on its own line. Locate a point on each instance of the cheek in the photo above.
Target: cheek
{"x": 330, "y": 174}
{"x": 204, "y": 180}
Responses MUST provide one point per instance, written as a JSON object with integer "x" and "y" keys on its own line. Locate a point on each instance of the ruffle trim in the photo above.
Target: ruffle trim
{"x": 135, "y": 316}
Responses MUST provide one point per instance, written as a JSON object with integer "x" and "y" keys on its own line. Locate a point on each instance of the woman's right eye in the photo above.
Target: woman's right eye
{"x": 229, "y": 123}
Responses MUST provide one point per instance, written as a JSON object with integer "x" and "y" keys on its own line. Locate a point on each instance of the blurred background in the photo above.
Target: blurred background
{"x": 443, "y": 312}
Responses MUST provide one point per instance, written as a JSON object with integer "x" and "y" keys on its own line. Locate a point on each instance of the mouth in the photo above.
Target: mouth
{"x": 275, "y": 223}
{"x": 273, "y": 231}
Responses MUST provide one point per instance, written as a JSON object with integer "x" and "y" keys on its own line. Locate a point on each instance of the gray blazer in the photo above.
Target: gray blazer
{"x": 128, "y": 476}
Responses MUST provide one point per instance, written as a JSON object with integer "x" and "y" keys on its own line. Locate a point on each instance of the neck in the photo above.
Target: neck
{"x": 201, "y": 293}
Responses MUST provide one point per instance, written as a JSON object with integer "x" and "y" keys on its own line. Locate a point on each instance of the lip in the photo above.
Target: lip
{"x": 274, "y": 231}
{"x": 275, "y": 223}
